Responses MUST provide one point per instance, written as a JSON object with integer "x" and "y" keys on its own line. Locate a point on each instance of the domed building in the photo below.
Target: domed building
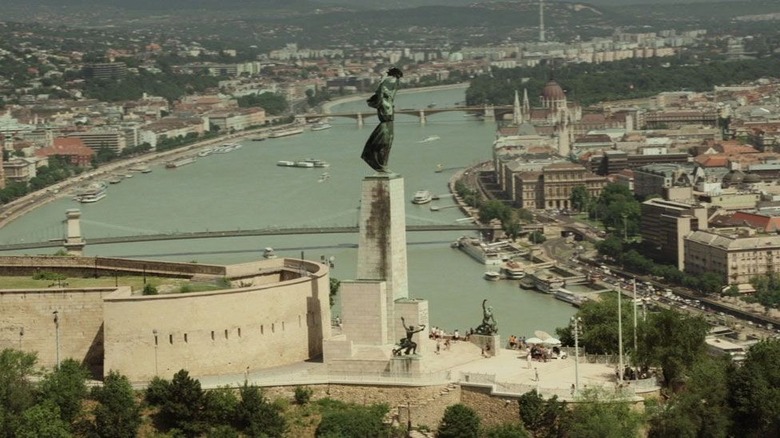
{"x": 553, "y": 95}
{"x": 733, "y": 178}
{"x": 554, "y": 117}
{"x": 752, "y": 178}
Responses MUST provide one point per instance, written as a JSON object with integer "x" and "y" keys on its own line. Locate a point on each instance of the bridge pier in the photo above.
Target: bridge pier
{"x": 490, "y": 113}
{"x": 423, "y": 120}
{"x": 360, "y": 120}
{"x": 74, "y": 242}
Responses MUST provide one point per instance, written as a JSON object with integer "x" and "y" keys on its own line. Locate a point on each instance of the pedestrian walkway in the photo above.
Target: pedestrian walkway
{"x": 508, "y": 372}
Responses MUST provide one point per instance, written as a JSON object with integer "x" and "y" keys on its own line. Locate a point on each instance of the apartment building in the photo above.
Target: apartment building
{"x": 736, "y": 254}
{"x": 551, "y": 187}
{"x": 238, "y": 119}
{"x": 665, "y": 225}
{"x": 656, "y": 179}
{"x": 98, "y": 139}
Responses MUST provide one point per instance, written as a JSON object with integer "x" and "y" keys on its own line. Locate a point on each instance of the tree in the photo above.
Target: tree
{"x": 182, "y": 407}
{"x": 273, "y": 103}
{"x": 611, "y": 247}
{"x": 67, "y": 388}
{"x": 540, "y": 416}
{"x": 335, "y": 285}
{"x": 257, "y": 416}
{"x": 673, "y": 341}
{"x": 700, "y": 409}
{"x": 16, "y": 388}
{"x": 117, "y": 414}
{"x": 345, "y": 420}
{"x": 506, "y": 430}
{"x": 580, "y": 198}
{"x": 600, "y": 326}
{"x": 536, "y": 237}
{"x": 755, "y": 392}
{"x": 494, "y": 210}
{"x": 600, "y": 416}
{"x": 42, "y": 420}
{"x": 512, "y": 229}
{"x": 220, "y": 406}
{"x": 618, "y": 210}
{"x": 459, "y": 421}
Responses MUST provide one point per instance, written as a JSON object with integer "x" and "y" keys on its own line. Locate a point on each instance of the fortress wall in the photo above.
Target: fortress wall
{"x": 427, "y": 403}
{"x": 80, "y": 314}
{"x": 491, "y": 409}
{"x": 209, "y": 333}
{"x": 90, "y": 266}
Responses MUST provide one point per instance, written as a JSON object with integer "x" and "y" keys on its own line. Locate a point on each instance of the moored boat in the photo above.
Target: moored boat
{"x": 206, "y": 152}
{"x": 93, "y": 192}
{"x": 494, "y": 253}
{"x": 492, "y": 276}
{"x": 422, "y": 197}
{"x": 180, "y": 162}
{"x": 316, "y": 162}
{"x": 513, "y": 270}
{"x": 321, "y": 126}
{"x": 429, "y": 139}
{"x": 285, "y": 132}
{"x": 142, "y": 169}
{"x": 569, "y": 297}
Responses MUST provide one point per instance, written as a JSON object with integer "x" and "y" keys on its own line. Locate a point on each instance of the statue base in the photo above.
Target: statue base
{"x": 490, "y": 344}
{"x": 405, "y": 365}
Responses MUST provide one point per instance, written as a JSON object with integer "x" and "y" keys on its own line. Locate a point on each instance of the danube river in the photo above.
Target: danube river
{"x": 245, "y": 189}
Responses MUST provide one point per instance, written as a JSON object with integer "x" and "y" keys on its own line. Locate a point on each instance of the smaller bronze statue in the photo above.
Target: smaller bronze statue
{"x": 406, "y": 345}
{"x": 376, "y": 152}
{"x": 488, "y": 326}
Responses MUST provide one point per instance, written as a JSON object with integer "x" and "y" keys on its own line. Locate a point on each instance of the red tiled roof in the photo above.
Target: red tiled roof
{"x": 66, "y": 146}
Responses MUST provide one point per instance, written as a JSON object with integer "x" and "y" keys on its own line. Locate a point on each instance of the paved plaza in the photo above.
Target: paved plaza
{"x": 509, "y": 372}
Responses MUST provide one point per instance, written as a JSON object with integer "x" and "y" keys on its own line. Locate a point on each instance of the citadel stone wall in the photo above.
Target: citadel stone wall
{"x": 256, "y": 326}
{"x": 277, "y": 313}
{"x": 27, "y": 323}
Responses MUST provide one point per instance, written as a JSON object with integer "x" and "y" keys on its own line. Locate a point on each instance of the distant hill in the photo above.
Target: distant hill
{"x": 311, "y": 4}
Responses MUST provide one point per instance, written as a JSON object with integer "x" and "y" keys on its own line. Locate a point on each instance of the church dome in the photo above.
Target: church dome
{"x": 734, "y": 177}
{"x": 553, "y": 91}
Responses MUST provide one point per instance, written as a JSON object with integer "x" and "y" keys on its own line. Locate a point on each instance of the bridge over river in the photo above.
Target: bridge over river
{"x": 487, "y": 112}
{"x": 54, "y": 243}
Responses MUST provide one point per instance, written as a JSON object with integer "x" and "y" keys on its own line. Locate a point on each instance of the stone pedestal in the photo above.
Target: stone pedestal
{"x": 364, "y": 312}
{"x": 415, "y": 313}
{"x": 490, "y": 345}
{"x": 382, "y": 243}
{"x": 405, "y": 365}
{"x": 372, "y": 305}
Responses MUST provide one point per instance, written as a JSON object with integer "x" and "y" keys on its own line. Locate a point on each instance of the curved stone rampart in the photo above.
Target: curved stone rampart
{"x": 276, "y": 312}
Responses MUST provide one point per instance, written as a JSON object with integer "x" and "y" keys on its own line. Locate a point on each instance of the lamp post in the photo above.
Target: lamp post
{"x": 56, "y": 314}
{"x": 21, "y": 336}
{"x": 154, "y": 332}
{"x": 634, "y": 355}
{"x": 620, "y": 335}
{"x": 576, "y": 320}
{"x": 408, "y": 419}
